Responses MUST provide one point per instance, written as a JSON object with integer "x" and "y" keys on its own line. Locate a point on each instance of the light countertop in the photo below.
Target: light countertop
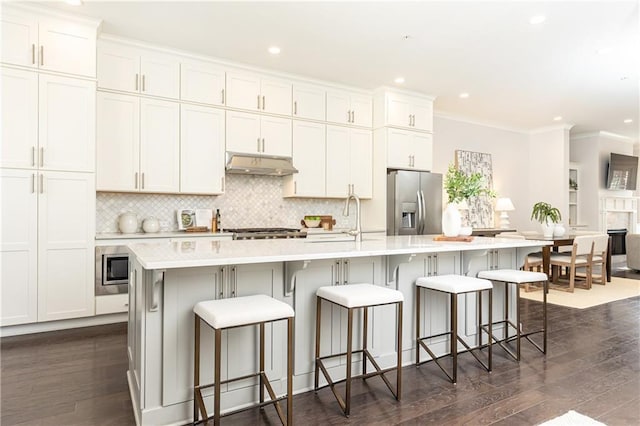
{"x": 195, "y": 253}
{"x": 152, "y": 235}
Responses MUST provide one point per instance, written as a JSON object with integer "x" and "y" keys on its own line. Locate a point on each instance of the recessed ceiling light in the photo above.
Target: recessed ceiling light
{"x": 628, "y": 120}
{"x": 538, "y": 19}
{"x": 399, "y": 80}
{"x": 557, "y": 118}
{"x": 463, "y": 95}
{"x": 274, "y": 50}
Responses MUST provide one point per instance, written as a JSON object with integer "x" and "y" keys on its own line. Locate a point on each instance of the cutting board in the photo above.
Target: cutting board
{"x": 460, "y": 238}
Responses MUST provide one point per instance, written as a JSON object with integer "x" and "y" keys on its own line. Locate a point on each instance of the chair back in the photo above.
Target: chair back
{"x": 583, "y": 245}
{"x": 601, "y": 244}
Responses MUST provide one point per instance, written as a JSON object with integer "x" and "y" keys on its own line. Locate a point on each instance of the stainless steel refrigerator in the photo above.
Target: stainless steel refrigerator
{"x": 414, "y": 203}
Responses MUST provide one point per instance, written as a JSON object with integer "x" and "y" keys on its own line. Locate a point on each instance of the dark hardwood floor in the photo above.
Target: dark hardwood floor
{"x": 77, "y": 377}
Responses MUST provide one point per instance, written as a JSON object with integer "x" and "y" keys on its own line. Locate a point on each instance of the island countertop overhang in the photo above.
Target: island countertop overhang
{"x": 196, "y": 253}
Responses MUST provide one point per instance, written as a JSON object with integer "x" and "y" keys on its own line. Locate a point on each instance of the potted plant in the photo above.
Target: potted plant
{"x": 460, "y": 187}
{"x": 547, "y": 215}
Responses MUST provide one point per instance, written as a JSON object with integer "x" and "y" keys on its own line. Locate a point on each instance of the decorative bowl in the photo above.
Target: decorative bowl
{"x": 465, "y": 230}
{"x": 312, "y": 223}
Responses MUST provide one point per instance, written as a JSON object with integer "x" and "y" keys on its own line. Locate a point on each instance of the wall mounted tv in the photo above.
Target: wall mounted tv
{"x": 623, "y": 172}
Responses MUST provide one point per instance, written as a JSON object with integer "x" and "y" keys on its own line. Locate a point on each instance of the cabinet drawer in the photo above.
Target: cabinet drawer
{"x": 112, "y": 304}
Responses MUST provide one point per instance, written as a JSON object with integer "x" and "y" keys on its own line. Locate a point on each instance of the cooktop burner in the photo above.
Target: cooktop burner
{"x": 265, "y": 233}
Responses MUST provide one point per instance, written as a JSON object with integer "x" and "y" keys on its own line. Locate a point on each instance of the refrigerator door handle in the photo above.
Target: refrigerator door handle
{"x": 424, "y": 210}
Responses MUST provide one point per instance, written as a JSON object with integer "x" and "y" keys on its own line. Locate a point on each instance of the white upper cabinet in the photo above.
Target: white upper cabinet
{"x": 309, "y": 157}
{"x": 202, "y": 82}
{"x": 349, "y": 108}
{"x": 137, "y": 70}
{"x": 46, "y": 43}
{"x": 409, "y": 150}
{"x": 256, "y": 93}
{"x": 402, "y": 110}
{"x": 258, "y": 134}
{"x": 202, "y": 136}
{"x": 349, "y": 166}
{"x": 48, "y": 121}
{"x": 309, "y": 101}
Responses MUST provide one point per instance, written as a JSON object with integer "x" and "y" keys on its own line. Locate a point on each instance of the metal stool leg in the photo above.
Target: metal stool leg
{"x": 399, "y": 349}
{"x": 261, "y": 326}
{"x": 290, "y": 371}
{"x": 418, "y": 309}
{"x": 454, "y": 336}
{"x": 349, "y": 360}
{"x": 318, "y": 318}
{"x": 196, "y": 367}
{"x": 364, "y": 338}
{"x": 216, "y": 379}
{"x": 518, "y": 322}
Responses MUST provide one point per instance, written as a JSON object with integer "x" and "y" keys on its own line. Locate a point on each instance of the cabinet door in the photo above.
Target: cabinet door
{"x": 67, "y": 47}
{"x": 338, "y": 161}
{"x": 422, "y": 144}
{"x": 309, "y": 102}
{"x": 160, "y": 75}
{"x": 118, "y": 142}
{"x": 243, "y": 132}
{"x": 361, "y": 162}
{"x": 276, "y": 136}
{"x": 276, "y": 96}
{"x": 422, "y": 111}
{"x": 201, "y": 150}
{"x": 19, "y": 118}
{"x": 309, "y": 158}
{"x": 243, "y": 91}
{"x": 19, "y": 247}
{"x": 362, "y": 110}
{"x": 202, "y": 82}
{"x": 400, "y": 153}
{"x": 67, "y": 123}
{"x": 66, "y": 232}
{"x": 338, "y": 107}
{"x": 398, "y": 110}
{"x": 159, "y": 146}
{"x": 118, "y": 67}
{"x": 19, "y": 38}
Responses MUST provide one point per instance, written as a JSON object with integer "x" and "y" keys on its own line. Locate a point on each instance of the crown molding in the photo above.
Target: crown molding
{"x": 563, "y": 126}
{"x": 448, "y": 116}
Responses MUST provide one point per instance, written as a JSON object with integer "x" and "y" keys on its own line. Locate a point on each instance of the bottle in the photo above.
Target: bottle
{"x": 218, "y": 227}
{"x": 214, "y": 224}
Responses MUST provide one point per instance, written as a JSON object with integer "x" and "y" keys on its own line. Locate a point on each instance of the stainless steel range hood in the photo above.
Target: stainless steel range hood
{"x": 254, "y": 164}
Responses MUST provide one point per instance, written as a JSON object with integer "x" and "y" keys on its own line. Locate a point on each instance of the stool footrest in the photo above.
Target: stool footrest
{"x": 240, "y": 410}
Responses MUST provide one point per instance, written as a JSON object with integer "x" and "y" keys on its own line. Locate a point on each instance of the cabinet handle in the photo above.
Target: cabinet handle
{"x": 345, "y": 272}
{"x": 353, "y": 116}
{"x": 41, "y": 183}
{"x": 234, "y": 282}
{"x": 135, "y": 181}
{"x": 263, "y": 102}
{"x": 221, "y": 292}
{"x": 222, "y": 184}
{"x": 33, "y": 183}
{"x": 33, "y": 54}
{"x": 258, "y": 145}
{"x": 33, "y": 156}
{"x": 295, "y": 187}
{"x": 295, "y": 107}
{"x": 262, "y": 144}
{"x": 142, "y": 186}
{"x": 41, "y": 156}
{"x": 137, "y": 78}
{"x": 348, "y": 116}
{"x": 435, "y": 264}
{"x": 41, "y": 55}
{"x": 258, "y": 101}
{"x": 222, "y": 96}
{"x": 337, "y": 272}
{"x": 143, "y": 83}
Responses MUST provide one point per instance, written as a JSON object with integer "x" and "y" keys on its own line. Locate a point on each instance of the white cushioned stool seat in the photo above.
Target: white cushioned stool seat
{"x": 513, "y": 276}
{"x": 454, "y": 283}
{"x": 244, "y": 310}
{"x": 359, "y": 295}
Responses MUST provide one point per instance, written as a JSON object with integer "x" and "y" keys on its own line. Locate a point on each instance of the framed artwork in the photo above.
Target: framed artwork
{"x": 480, "y": 213}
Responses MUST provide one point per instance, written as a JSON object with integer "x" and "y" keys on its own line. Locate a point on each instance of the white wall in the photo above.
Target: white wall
{"x": 509, "y": 152}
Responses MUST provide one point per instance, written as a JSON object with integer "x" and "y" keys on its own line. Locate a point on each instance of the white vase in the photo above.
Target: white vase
{"x": 558, "y": 230}
{"x": 547, "y": 229}
{"x": 451, "y": 221}
{"x": 128, "y": 223}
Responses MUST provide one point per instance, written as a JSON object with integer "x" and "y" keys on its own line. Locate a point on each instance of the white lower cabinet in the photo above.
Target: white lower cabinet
{"x": 47, "y": 253}
{"x": 112, "y": 304}
{"x": 182, "y": 289}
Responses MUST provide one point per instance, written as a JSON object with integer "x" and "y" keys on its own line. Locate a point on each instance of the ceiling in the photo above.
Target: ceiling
{"x": 518, "y": 75}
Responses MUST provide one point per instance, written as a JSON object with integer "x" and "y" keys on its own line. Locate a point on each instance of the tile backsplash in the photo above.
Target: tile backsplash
{"x": 249, "y": 201}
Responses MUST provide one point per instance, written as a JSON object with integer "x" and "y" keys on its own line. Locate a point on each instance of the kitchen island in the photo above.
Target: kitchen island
{"x": 167, "y": 279}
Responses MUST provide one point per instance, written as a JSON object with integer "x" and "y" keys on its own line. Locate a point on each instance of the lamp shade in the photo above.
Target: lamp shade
{"x": 504, "y": 205}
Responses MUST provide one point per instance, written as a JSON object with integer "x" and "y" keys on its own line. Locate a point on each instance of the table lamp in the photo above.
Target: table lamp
{"x": 504, "y": 205}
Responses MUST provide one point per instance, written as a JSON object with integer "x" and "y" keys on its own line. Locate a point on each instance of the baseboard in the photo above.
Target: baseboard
{"x": 42, "y": 327}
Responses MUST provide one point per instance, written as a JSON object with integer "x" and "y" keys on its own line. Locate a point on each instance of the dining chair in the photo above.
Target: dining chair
{"x": 581, "y": 257}
{"x": 600, "y": 247}
{"x": 532, "y": 262}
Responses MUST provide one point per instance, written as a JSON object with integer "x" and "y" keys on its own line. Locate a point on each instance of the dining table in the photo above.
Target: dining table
{"x": 559, "y": 241}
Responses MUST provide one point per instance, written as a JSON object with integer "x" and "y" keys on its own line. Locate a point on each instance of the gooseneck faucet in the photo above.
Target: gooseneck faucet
{"x": 358, "y": 231}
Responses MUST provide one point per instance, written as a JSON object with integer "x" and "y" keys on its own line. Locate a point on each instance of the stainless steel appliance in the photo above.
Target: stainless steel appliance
{"x": 112, "y": 270}
{"x": 414, "y": 203}
{"x": 265, "y": 233}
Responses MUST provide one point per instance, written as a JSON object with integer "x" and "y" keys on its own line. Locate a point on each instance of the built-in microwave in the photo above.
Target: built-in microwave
{"x": 112, "y": 270}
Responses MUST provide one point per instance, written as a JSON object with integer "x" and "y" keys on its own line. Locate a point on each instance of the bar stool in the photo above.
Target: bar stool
{"x": 239, "y": 312}
{"x": 353, "y": 297}
{"x": 454, "y": 285}
{"x": 519, "y": 278}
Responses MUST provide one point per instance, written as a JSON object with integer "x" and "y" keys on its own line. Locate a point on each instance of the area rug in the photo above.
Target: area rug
{"x": 617, "y": 289}
{"x": 572, "y": 418}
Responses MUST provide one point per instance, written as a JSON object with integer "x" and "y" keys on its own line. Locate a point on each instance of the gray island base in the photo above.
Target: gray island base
{"x": 168, "y": 279}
